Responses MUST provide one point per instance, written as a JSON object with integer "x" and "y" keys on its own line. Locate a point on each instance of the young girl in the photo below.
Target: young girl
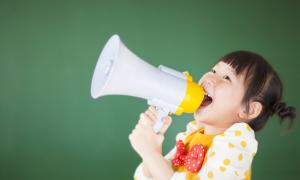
{"x": 243, "y": 92}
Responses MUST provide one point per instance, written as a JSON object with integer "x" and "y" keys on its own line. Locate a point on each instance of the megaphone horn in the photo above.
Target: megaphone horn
{"x": 120, "y": 72}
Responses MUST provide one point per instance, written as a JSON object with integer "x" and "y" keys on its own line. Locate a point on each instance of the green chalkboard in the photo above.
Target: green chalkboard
{"x": 51, "y": 128}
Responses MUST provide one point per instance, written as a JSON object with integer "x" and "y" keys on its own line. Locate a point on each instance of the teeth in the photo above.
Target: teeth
{"x": 206, "y": 94}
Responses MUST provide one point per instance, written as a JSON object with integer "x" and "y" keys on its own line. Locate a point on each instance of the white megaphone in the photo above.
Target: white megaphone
{"x": 121, "y": 72}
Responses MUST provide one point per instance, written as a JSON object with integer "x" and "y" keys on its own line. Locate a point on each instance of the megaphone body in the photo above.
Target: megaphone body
{"x": 120, "y": 72}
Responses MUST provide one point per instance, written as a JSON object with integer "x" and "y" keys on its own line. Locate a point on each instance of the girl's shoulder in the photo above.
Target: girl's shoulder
{"x": 239, "y": 136}
{"x": 231, "y": 154}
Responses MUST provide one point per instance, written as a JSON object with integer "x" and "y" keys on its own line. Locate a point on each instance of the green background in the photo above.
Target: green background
{"x": 51, "y": 128}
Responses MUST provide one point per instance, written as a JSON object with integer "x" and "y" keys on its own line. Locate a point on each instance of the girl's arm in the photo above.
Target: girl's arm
{"x": 159, "y": 167}
{"x": 154, "y": 164}
{"x": 145, "y": 170}
{"x": 148, "y": 145}
{"x": 142, "y": 172}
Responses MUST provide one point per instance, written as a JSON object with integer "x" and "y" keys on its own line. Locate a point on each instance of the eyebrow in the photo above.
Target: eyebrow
{"x": 230, "y": 69}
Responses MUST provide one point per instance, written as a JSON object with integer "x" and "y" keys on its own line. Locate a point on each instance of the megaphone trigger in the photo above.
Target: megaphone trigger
{"x": 161, "y": 114}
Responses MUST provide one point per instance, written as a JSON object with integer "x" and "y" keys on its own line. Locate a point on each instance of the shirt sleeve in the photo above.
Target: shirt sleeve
{"x": 231, "y": 154}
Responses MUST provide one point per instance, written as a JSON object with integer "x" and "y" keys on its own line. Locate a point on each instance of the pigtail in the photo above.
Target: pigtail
{"x": 283, "y": 111}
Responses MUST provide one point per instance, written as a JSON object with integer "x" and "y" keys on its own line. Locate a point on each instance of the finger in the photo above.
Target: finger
{"x": 153, "y": 110}
{"x": 145, "y": 120}
{"x": 151, "y": 115}
{"x": 166, "y": 125}
{"x": 161, "y": 138}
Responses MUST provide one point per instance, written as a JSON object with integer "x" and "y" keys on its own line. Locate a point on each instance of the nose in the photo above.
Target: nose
{"x": 208, "y": 83}
{"x": 208, "y": 80}
{"x": 211, "y": 80}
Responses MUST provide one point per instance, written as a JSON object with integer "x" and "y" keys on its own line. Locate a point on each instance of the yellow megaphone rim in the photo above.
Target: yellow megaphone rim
{"x": 193, "y": 97}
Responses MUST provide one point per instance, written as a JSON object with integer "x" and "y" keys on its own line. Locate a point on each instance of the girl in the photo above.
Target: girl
{"x": 243, "y": 91}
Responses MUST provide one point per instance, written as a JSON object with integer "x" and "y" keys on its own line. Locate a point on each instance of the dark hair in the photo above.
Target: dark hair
{"x": 263, "y": 85}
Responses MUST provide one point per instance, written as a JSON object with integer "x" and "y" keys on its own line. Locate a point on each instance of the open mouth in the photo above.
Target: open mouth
{"x": 206, "y": 101}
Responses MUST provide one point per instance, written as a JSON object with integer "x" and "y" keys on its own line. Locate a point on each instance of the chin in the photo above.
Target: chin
{"x": 199, "y": 118}
{"x": 203, "y": 116}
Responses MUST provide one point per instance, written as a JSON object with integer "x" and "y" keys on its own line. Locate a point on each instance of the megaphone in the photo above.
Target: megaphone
{"x": 120, "y": 72}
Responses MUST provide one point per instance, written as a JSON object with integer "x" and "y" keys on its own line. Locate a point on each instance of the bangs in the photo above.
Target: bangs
{"x": 253, "y": 67}
{"x": 240, "y": 61}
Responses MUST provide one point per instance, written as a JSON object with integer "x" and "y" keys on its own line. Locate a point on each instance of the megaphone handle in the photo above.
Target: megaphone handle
{"x": 161, "y": 114}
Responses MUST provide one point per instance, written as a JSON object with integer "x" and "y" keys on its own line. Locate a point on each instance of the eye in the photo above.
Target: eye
{"x": 213, "y": 71}
{"x": 227, "y": 78}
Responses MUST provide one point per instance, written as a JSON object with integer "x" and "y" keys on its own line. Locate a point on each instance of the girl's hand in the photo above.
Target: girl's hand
{"x": 143, "y": 139}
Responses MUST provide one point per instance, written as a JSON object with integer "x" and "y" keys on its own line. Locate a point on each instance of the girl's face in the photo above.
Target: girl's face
{"x": 226, "y": 90}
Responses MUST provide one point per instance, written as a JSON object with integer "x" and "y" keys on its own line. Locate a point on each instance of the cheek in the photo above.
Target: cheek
{"x": 228, "y": 98}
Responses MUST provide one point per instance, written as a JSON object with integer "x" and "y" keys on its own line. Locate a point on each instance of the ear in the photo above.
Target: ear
{"x": 255, "y": 108}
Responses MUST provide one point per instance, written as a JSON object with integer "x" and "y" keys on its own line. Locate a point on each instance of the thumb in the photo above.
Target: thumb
{"x": 166, "y": 125}
{"x": 161, "y": 138}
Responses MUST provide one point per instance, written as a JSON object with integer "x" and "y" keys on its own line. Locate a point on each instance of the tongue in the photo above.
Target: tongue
{"x": 207, "y": 100}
